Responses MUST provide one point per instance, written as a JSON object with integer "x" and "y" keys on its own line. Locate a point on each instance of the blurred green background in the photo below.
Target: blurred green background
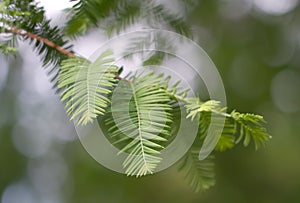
{"x": 255, "y": 46}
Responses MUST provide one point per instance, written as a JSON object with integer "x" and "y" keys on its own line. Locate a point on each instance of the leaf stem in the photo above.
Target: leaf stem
{"x": 139, "y": 126}
{"x": 46, "y": 41}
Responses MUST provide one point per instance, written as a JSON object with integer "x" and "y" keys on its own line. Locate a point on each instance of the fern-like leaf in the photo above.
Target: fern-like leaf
{"x": 87, "y": 13}
{"x": 200, "y": 174}
{"x": 117, "y": 15}
{"x": 250, "y": 127}
{"x": 86, "y": 86}
{"x": 245, "y": 126}
{"x": 227, "y": 138}
{"x": 145, "y": 125}
{"x": 158, "y": 13}
{"x": 125, "y": 16}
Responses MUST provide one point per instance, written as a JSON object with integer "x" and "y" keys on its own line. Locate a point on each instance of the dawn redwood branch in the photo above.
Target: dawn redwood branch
{"x": 49, "y": 43}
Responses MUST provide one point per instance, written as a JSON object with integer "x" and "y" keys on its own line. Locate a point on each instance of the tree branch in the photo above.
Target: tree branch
{"x": 49, "y": 43}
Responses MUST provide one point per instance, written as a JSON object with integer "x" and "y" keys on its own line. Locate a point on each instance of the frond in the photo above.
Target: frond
{"x": 86, "y": 14}
{"x": 125, "y": 16}
{"x": 200, "y": 174}
{"x": 145, "y": 126}
{"x": 175, "y": 91}
{"x": 227, "y": 138}
{"x": 245, "y": 126}
{"x": 145, "y": 45}
{"x": 159, "y": 14}
{"x": 250, "y": 127}
{"x": 117, "y": 15}
{"x": 194, "y": 107}
{"x": 86, "y": 86}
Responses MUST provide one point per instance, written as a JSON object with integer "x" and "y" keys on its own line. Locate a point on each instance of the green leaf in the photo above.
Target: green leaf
{"x": 141, "y": 111}
{"x": 250, "y": 127}
{"x": 86, "y": 14}
{"x": 117, "y": 15}
{"x": 86, "y": 86}
{"x": 200, "y": 174}
{"x": 125, "y": 16}
{"x": 246, "y": 127}
{"x": 227, "y": 139}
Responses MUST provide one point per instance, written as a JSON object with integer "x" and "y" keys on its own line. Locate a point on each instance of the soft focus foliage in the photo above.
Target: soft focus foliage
{"x": 255, "y": 45}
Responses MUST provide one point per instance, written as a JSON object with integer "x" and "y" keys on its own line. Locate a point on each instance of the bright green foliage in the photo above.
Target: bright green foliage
{"x": 145, "y": 126}
{"x": 227, "y": 139}
{"x": 247, "y": 126}
{"x": 142, "y": 111}
{"x": 194, "y": 106}
{"x": 233, "y": 129}
{"x": 86, "y": 86}
{"x": 150, "y": 103}
{"x": 250, "y": 126}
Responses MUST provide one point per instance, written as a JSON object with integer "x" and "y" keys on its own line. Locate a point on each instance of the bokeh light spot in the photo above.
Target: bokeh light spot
{"x": 285, "y": 91}
{"x": 276, "y": 7}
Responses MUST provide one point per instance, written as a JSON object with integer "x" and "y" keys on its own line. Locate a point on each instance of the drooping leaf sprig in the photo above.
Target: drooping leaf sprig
{"x": 146, "y": 109}
{"x": 141, "y": 114}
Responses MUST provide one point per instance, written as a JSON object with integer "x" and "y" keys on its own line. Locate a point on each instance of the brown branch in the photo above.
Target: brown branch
{"x": 48, "y": 43}
{"x": 41, "y": 39}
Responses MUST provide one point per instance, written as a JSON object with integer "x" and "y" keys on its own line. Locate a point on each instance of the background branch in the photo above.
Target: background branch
{"x": 46, "y": 41}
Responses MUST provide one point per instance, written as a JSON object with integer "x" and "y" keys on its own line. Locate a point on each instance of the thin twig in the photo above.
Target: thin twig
{"x": 49, "y": 43}
{"x": 41, "y": 39}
